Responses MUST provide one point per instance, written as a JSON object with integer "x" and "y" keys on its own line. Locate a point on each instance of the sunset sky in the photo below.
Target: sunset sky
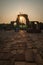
{"x": 9, "y": 9}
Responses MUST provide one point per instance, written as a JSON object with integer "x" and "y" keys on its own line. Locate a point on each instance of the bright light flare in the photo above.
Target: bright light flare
{"x": 22, "y": 20}
{"x": 21, "y": 17}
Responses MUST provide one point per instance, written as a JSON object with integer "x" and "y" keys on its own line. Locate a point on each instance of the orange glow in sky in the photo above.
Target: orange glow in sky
{"x": 9, "y": 9}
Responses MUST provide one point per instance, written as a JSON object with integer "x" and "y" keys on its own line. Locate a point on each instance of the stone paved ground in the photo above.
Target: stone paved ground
{"x": 21, "y": 48}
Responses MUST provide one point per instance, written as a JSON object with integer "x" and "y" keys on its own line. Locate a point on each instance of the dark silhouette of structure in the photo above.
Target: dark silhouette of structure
{"x": 31, "y": 26}
{"x": 25, "y": 16}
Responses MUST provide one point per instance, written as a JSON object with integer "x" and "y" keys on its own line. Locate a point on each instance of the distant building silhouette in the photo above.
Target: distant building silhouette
{"x": 31, "y": 25}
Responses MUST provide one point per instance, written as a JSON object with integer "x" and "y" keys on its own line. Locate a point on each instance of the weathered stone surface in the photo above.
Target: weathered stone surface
{"x": 31, "y": 64}
{"x": 20, "y": 57}
{"x": 21, "y": 48}
{"x": 5, "y": 56}
{"x": 29, "y": 55}
{"x": 19, "y": 63}
{"x": 4, "y": 62}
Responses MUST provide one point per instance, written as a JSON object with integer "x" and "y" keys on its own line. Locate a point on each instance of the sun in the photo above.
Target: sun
{"x": 21, "y": 17}
{"x": 22, "y": 20}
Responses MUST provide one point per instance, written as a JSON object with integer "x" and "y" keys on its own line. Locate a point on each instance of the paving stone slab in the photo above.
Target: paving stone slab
{"x": 4, "y": 62}
{"x": 19, "y": 63}
{"x": 20, "y": 45}
{"x": 29, "y": 55}
{"x": 38, "y": 59}
{"x": 20, "y": 57}
{"x": 13, "y": 52}
{"x": 31, "y": 64}
{"x": 29, "y": 45}
{"x": 4, "y": 56}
